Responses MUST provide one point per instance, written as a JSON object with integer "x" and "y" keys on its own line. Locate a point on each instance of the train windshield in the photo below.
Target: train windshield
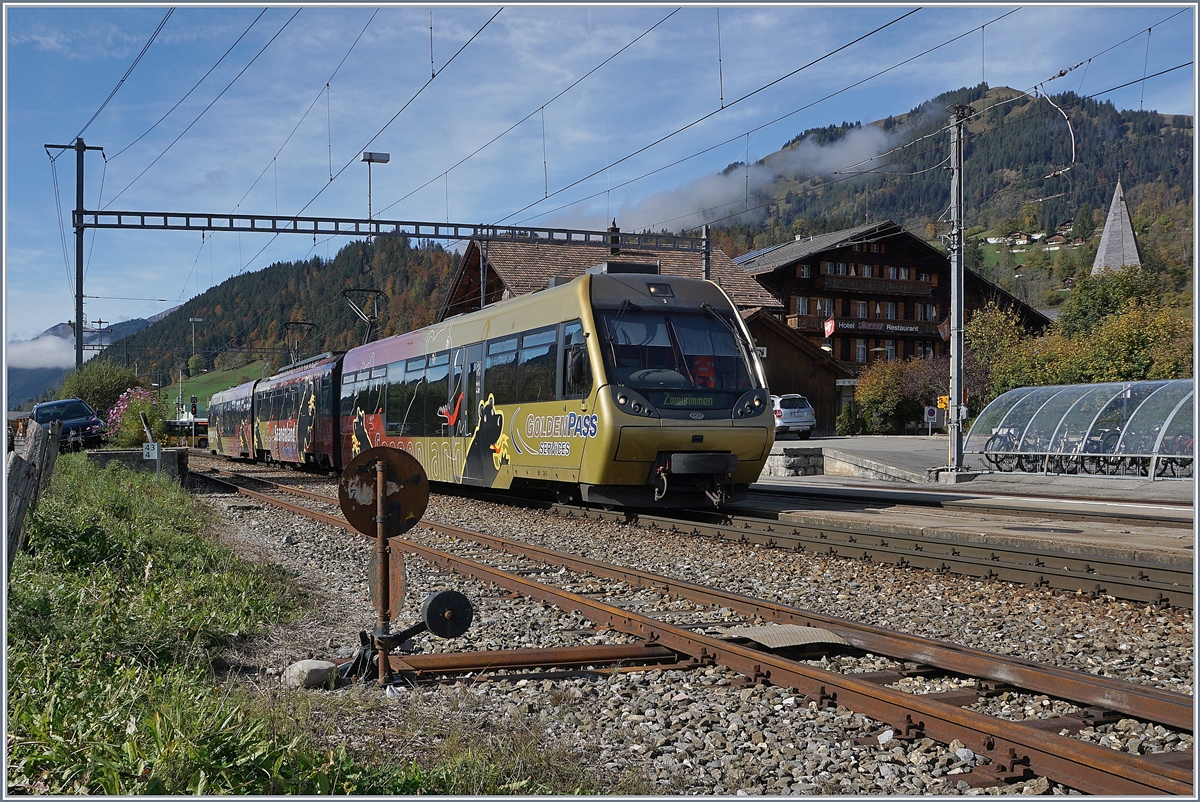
{"x": 676, "y": 359}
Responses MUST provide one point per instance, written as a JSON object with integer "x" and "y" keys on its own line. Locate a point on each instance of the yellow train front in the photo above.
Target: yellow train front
{"x": 618, "y": 388}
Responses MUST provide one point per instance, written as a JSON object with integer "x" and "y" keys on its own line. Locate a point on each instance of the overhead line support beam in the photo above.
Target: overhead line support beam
{"x": 335, "y": 226}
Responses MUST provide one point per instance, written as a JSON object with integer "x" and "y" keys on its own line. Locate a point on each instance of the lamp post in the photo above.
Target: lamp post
{"x": 373, "y": 157}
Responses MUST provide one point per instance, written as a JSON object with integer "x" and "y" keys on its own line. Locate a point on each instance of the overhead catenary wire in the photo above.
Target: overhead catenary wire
{"x": 194, "y": 86}
{"x": 780, "y": 118}
{"x": 512, "y": 127}
{"x": 243, "y": 265}
{"x": 710, "y": 114}
{"x": 324, "y": 90}
{"x": 205, "y": 110}
{"x": 128, "y": 72}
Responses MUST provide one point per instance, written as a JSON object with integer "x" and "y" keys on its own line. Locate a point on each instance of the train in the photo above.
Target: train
{"x": 622, "y": 387}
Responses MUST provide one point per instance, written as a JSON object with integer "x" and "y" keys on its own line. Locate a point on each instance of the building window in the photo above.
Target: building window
{"x": 923, "y": 277}
{"x": 825, "y": 306}
{"x": 889, "y": 350}
{"x": 927, "y": 312}
{"x": 893, "y": 273}
{"x": 890, "y": 308}
{"x": 802, "y": 305}
{"x": 857, "y": 246}
{"x": 841, "y": 268}
{"x": 804, "y": 271}
{"x": 904, "y": 274}
{"x": 827, "y": 268}
{"x": 860, "y": 309}
{"x": 868, "y": 271}
{"x": 924, "y": 349}
{"x": 860, "y": 350}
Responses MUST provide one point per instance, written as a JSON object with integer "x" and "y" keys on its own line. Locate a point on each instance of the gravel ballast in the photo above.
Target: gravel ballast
{"x": 706, "y": 730}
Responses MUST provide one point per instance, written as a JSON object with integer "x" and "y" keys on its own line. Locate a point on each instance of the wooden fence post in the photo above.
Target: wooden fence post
{"x": 28, "y": 475}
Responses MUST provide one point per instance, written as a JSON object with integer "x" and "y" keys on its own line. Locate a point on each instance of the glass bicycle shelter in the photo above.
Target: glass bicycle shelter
{"x": 1134, "y": 429}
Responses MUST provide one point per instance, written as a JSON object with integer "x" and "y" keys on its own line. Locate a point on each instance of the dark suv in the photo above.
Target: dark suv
{"x": 80, "y": 425}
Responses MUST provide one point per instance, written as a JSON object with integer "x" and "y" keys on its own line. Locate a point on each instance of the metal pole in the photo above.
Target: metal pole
{"x": 382, "y": 623}
{"x": 957, "y": 410}
{"x": 80, "y": 148}
{"x": 706, "y": 259}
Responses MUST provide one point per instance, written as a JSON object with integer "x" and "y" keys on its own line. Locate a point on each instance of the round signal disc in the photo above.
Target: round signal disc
{"x": 405, "y": 498}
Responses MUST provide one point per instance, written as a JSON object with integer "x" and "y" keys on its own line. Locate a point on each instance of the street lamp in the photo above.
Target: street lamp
{"x": 372, "y": 157}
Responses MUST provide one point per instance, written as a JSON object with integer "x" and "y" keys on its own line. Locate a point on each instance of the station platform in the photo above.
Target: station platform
{"x": 1125, "y": 517}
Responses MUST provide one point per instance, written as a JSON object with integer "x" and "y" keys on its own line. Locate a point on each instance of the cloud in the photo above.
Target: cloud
{"x": 717, "y": 196}
{"x": 44, "y": 352}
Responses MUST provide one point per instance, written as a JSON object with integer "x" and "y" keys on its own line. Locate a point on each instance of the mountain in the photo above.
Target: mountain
{"x": 25, "y": 384}
{"x": 1013, "y": 145}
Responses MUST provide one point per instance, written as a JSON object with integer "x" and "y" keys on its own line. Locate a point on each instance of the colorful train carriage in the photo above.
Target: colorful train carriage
{"x": 295, "y": 412}
{"x": 626, "y": 388}
{"x": 231, "y": 422}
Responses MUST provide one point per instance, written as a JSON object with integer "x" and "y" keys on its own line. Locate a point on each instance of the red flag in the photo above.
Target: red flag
{"x": 944, "y": 329}
{"x": 830, "y": 326}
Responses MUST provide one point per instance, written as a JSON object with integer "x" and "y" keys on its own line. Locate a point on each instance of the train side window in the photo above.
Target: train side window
{"x": 398, "y": 398}
{"x": 536, "y": 364}
{"x": 500, "y": 370}
{"x": 473, "y": 391}
{"x": 436, "y": 390}
{"x": 576, "y": 369}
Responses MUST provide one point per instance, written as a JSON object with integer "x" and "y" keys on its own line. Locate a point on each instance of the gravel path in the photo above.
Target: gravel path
{"x": 700, "y": 731}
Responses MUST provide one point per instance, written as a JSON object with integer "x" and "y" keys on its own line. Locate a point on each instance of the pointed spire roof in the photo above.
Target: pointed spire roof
{"x": 1118, "y": 247}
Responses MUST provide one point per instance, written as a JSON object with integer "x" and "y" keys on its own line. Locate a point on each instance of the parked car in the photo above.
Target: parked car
{"x": 80, "y": 424}
{"x": 793, "y": 413}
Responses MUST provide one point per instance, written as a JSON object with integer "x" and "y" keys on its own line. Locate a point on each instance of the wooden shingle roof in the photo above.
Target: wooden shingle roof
{"x": 527, "y": 267}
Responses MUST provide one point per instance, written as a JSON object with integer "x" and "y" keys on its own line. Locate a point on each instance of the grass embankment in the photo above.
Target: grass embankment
{"x": 205, "y": 384}
{"x": 115, "y": 620}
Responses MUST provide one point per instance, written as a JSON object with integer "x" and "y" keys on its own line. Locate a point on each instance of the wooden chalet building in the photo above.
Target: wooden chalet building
{"x": 509, "y": 269}
{"x": 885, "y": 292}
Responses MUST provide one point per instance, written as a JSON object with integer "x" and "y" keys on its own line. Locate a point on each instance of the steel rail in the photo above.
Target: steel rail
{"x": 1157, "y": 583}
{"x": 420, "y": 665}
{"x": 1010, "y": 746}
{"x": 1163, "y": 707}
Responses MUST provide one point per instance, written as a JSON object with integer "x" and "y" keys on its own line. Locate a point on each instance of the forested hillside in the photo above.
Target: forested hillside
{"x": 1010, "y": 151}
{"x": 244, "y": 316}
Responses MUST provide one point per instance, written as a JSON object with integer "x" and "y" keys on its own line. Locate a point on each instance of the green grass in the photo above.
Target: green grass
{"x": 214, "y": 381}
{"x": 116, "y": 618}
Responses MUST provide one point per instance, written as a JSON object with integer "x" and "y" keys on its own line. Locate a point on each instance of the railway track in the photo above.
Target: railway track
{"x": 1156, "y": 583}
{"x": 1087, "y": 508}
{"x": 1017, "y": 749}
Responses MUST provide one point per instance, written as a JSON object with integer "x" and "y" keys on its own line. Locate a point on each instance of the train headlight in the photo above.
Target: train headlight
{"x": 622, "y": 399}
{"x": 758, "y": 401}
{"x": 637, "y": 407}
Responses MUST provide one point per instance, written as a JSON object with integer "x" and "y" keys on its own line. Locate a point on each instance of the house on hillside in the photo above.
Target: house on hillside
{"x": 880, "y": 291}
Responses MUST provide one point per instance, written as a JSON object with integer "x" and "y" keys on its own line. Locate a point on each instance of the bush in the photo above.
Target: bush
{"x": 124, "y": 419}
{"x": 880, "y": 396}
{"x": 99, "y": 382}
{"x": 845, "y": 425}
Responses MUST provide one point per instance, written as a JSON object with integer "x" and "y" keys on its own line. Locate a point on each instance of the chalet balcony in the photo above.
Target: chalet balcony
{"x": 864, "y": 327}
{"x": 873, "y": 286}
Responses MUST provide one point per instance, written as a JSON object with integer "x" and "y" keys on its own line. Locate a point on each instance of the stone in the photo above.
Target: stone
{"x": 1036, "y": 787}
{"x": 310, "y": 674}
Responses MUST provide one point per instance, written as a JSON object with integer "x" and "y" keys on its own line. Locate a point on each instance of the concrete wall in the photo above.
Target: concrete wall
{"x": 174, "y": 461}
{"x": 795, "y": 462}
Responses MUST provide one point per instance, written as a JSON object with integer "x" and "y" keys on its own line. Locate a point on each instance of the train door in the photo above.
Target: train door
{"x": 472, "y": 391}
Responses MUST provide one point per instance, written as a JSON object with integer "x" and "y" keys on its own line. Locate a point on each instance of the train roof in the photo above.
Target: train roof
{"x": 607, "y": 289}
{"x": 301, "y": 370}
{"x": 238, "y": 391}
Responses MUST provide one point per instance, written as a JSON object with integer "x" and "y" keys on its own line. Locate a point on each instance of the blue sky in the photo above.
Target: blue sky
{"x": 62, "y": 62}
